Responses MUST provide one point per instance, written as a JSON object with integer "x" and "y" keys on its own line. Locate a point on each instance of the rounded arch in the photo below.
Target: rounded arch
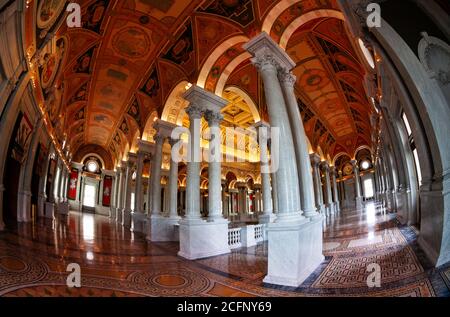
{"x": 173, "y": 111}
{"x": 149, "y": 132}
{"x": 228, "y": 71}
{"x": 251, "y": 104}
{"x": 219, "y": 51}
{"x": 305, "y": 18}
{"x": 339, "y": 155}
{"x": 363, "y": 147}
{"x": 97, "y": 151}
{"x": 135, "y": 146}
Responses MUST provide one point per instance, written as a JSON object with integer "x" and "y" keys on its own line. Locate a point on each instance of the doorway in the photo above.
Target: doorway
{"x": 89, "y": 195}
{"x": 11, "y": 178}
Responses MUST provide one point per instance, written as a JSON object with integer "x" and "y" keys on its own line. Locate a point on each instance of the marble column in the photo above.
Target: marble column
{"x": 358, "y": 195}
{"x": 149, "y": 186}
{"x": 173, "y": 187}
{"x": 288, "y": 80}
{"x": 318, "y": 194}
{"x": 224, "y": 198}
{"x": 294, "y": 241}
{"x": 242, "y": 199}
{"x": 342, "y": 190}
{"x": 121, "y": 192}
{"x": 273, "y": 183}
{"x": 126, "y": 220}
{"x": 214, "y": 167}
{"x": 287, "y": 175}
{"x": 114, "y": 206}
{"x": 267, "y": 215}
{"x": 162, "y": 227}
{"x": 193, "y": 166}
{"x": 156, "y": 175}
{"x": 139, "y": 194}
{"x": 200, "y": 238}
{"x": 334, "y": 173}
{"x": 329, "y": 198}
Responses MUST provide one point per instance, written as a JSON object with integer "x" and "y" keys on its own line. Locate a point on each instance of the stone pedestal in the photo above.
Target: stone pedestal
{"x": 49, "y": 211}
{"x": 63, "y": 208}
{"x": 202, "y": 239}
{"x": 126, "y": 218}
{"x": 267, "y": 218}
{"x": 138, "y": 222}
{"x": 295, "y": 251}
{"x": 359, "y": 203}
{"x": 163, "y": 229}
{"x": 248, "y": 236}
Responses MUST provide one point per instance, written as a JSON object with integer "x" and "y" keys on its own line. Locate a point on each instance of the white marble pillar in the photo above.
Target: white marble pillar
{"x": 288, "y": 80}
{"x": 273, "y": 183}
{"x": 139, "y": 194}
{"x": 193, "y": 166}
{"x": 318, "y": 194}
{"x": 267, "y": 215}
{"x": 173, "y": 187}
{"x": 287, "y": 175}
{"x": 335, "y": 189}
{"x": 214, "y": 167}
{"x": 149, "y": 186}
{"x": 358, "y": 195}
{"x": 156, "y": 175}
{"x": 294, "y": 241}
{"x": 329, "y": 197}
{"x": 126, "y": 221}
{"x": 200, "y": 238}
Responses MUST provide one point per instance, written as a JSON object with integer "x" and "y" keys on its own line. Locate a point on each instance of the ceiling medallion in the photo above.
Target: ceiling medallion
{"x": 132, "y": 42}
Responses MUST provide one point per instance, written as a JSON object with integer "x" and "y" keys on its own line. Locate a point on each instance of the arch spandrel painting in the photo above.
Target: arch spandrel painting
{"x": 48, "y": 12}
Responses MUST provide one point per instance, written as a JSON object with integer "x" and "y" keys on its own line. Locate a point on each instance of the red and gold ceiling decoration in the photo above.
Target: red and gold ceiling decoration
{"x": 101, "y": 83}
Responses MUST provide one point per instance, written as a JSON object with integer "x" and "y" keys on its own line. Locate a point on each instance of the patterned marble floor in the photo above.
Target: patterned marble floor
{"x": 116, "y": 262}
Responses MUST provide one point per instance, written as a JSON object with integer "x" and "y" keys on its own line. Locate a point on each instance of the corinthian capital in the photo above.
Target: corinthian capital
{"x": 265, "y": 61}
{"x": 214, "y": 118}
{"x": 194, "y": 112}
{"x": 287, "y": 78}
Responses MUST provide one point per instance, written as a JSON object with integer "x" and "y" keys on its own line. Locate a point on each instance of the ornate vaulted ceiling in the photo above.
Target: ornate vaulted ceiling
{"x": 101, "y": 84}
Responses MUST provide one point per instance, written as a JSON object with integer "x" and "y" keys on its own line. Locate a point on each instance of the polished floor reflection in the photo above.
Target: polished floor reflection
{"x": 116, "y": 262}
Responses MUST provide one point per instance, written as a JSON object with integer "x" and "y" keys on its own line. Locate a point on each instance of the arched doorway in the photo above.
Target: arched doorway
{"x": 11, "y": 175}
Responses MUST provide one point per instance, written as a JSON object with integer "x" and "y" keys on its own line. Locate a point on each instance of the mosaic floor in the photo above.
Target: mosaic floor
{"x": 115, "y": 262}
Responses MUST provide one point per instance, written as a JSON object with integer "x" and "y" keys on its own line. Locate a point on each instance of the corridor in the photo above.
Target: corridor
{"x": 116, "y": 262}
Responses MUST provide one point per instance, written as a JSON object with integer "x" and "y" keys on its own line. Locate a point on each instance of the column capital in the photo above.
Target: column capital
{"x": 194, "y": 112}
{"x": 315, "y": 159}
{"x": 202, "y": 100}
{"x": 325, "y": 166}
{"x": 159, "y": 139}
{"x": 287, "y": 78}
{"x": 132, "y": 157}
{"x": 213, "y": 118}
{"x": 164, "y": 128}
{"x": 146, "y": 147}
{"x": 267, "y": 52}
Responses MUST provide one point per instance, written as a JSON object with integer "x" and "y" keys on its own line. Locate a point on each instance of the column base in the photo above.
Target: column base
{"x": 138, "y": 222}
{"x": 201, "y": 239}
{"x": 267, "y": 218}
{"x": 163, "y": 229}
{"x": 359, "y": 203}
{"x": 295, "y": 252}
{"x": 119, "y": 213}
{"x": 112, "y": 213}
{"x": 126, "y": 218}
{"x": 63, "y": 208}
{"x": 49, "y": 211}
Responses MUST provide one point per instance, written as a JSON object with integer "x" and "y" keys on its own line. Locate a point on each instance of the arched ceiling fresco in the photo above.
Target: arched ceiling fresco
{"x": 121, "y": 66}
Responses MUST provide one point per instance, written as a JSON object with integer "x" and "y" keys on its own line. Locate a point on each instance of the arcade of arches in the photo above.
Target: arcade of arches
{"x": 87, "y": 167}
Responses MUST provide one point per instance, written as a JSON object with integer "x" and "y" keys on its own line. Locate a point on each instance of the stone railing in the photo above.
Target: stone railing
{"x": 234, "y": 238}
{"x": 259, "y": 233}
{"x": 246, "y": 236}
